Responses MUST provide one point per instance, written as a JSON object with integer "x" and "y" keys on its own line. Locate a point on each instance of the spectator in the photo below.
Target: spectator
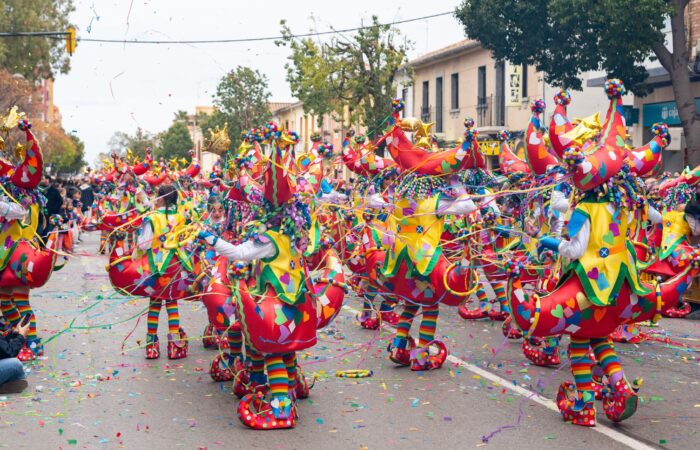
{"x": 87, "y": 195}
{"x": 12, "y": 377}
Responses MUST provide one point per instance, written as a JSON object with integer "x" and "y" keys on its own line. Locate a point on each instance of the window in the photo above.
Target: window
{"x": 523, "y": 82}
{"x": 404, "y": 97}
{"x": 438, "y": 105}
{"x": 454, "y": 83}
{"x": 481, "y": 86}
{"x": 425, "y": 106}
{"x": 500, "y": 100}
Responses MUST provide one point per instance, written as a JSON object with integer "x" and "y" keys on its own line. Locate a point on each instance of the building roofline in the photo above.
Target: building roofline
{"x": 445, "y": 52}
{"x": 287, "y": 107}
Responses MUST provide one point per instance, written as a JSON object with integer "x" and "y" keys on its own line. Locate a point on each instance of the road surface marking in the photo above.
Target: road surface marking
{"x": 547, "y": 403}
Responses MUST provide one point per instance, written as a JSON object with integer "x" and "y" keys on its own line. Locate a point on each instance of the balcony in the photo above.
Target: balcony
{"x": 425, "y": 114}
{"x": 490, "y": 111}
{"x": 484, "y": 111}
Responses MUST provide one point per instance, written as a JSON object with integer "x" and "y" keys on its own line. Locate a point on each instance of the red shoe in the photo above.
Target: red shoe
{"x": 621, "y": 402}
{"x": 177, "y": 345}
{"x": 509, "y": 330}
{"x": 680, "y": 311}
{"x": 626, "y": 334}
{"x": 498, "y": 316}
{"x": 369, "y": 323}
{"x": 302, "y": 387}
{"x": 222, "y": 343}
{"x": 223, "y": 369}
{"x": 390, "y": 317}
{"x": 25, "y": 354}
{"x": 257, "y": 413}
{"x": 423, "y": 359}
{"x": 599, "y": 388}
{"x": 400, "y": 351}
{"x": 153, "y": 348}
{"x": 209, "y": 337}
{"x": 535, "y": 353}
{"x": 242, "y": 385}
{"x": 471, "y": 314}
{"x": 567, "y": 399}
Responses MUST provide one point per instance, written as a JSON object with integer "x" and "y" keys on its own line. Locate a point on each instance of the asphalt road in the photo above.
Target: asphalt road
{"x": 94, "y": 389}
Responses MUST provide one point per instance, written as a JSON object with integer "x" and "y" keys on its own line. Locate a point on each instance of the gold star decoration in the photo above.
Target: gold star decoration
{"x": 218, "y": 141}
{"x": 11, "y": 120}
{"x": 424, "y": 142}
{"x": 424, "y": 130}
{"x": 585, "y": 129}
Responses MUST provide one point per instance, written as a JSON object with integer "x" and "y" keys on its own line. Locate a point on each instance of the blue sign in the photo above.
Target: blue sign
{"x": 666, "y": 112}
{"x": 631, "y": 115}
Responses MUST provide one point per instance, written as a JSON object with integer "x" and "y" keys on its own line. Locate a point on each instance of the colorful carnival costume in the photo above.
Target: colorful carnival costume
{"x": 160, "y": 268}
{"x": 600, "y": 288}
{"x": 414, "y": 269}
{"x": 280, "y": 308}
{"x": 365, "y": 229}
{"x": 671, "y": 238}
{"x": 24, "y": 264}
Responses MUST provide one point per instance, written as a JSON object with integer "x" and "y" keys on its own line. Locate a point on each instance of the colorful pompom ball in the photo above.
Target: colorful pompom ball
{"x": 573, "y": 156}
{"x": 293, "y": 136}
{"x": 660, "y": 129}
{"x": 325, "y": 149}
{"x": 24, "y": 124}
{"x": 397, "y": 105}
{"x": 615, "y": 88}
{"x": 562, "y": 97}
{"x": 514, "y": 269}
{"x": 538, "y": 106}
{"x": 504, "y": 135}
{"x": 469, "y": 123}
{"x": 316, "y": 137}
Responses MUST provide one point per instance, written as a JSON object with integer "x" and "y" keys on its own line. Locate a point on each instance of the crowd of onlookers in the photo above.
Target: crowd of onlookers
{"x": 71, "y": 200}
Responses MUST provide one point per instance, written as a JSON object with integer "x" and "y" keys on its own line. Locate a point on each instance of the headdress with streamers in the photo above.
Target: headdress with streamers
{"x": 539, "y": 158}
{"x": 604, "y": 159}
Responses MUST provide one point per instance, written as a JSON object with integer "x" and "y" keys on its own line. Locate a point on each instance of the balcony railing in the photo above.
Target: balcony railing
{"x": 484, "y": 111}
{"x": 425, "y": 113}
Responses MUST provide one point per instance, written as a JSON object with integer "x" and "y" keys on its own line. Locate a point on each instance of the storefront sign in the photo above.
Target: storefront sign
{"x": 666, "y": 112}
{"x": 515, "y": 81}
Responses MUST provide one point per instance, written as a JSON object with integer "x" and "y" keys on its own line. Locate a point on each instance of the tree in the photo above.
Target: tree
{"x": 563, "y": 38}
{"x": 34, "y": 57}
{"x": 15, "y": 90}
{"x": 354, "y": 74}
{"x": 241, "y": 100}
{"x": 63, "y": 152}
{"x": 138, "y": 143}
{"x": 175, "y": 142}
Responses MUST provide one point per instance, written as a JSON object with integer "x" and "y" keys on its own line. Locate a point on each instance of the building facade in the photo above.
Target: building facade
{"x": 463, "y": 80}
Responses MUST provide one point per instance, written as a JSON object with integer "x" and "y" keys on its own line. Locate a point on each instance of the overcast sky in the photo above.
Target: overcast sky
{"x": 114, "y": 87}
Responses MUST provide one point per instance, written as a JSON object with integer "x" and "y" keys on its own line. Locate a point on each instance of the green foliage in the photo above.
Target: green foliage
{"x": 241, "y": 100}
{"x": 175, "y": 142}
{"x": 353, "y": 74}
{"x": 138, "y": 143}
{"x": 564, "y": 38}
{"x": 34, "y": 57}
{"x": 63, "y": 152}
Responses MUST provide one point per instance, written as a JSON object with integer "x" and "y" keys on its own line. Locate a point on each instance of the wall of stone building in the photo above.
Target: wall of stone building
{"x": 467, "y": 65}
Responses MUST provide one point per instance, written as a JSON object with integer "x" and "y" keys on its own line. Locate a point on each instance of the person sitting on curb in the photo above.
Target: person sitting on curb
{"x": 12, "y": 377}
